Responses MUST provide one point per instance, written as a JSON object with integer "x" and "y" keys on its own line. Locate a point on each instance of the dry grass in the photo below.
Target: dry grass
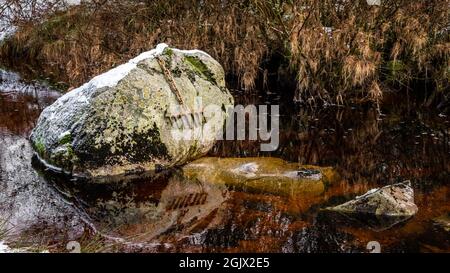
{"x": 338, "y": 51}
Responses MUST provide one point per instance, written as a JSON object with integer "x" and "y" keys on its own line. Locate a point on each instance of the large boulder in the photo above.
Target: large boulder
{"x": 128, "y": 119}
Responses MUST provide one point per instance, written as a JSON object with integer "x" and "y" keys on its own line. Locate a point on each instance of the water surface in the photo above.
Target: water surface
{"x": 45, "y": 211}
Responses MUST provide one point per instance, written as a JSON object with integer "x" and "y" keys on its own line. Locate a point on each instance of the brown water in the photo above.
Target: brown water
{"x": 46, "y": 210}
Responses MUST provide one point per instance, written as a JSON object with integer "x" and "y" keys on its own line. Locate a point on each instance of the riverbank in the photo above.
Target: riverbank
{"x": 328, "y": 51}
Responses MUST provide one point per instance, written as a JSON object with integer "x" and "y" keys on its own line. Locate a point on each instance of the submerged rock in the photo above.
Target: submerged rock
{"x": 139, "y": 116}
{"x": 262, "y": 174}
{"x": 443, "y": 222}
{"x": 393, "y": 200}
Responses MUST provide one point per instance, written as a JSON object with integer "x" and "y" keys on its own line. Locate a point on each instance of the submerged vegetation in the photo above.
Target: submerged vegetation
{"x": 332, "y": 51}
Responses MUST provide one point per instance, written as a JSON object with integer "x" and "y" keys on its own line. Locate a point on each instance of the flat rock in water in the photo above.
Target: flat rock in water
{"x": 262, "y": 174}
{"x": 395, "y": 200}
{"x": 140, "y": 116}
{"x": 378, "y": 209}
{"x": 443, "y": 222}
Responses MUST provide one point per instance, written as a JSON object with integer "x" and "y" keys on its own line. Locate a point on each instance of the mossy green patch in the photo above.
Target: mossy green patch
{"x": 168, "y": 52}
{"x": 39, "y": 147}
{"x": 200, "y": 68}
{"x": 67, "y": 138}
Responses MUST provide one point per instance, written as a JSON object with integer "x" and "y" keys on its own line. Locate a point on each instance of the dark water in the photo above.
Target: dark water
{"x": 45, "y": 211}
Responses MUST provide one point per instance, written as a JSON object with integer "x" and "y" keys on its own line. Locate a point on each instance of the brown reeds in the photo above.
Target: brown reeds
{"x": 338, "y": 51}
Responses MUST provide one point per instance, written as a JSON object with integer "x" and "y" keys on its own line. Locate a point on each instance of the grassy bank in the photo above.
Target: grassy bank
{"x": 333, "y": 51}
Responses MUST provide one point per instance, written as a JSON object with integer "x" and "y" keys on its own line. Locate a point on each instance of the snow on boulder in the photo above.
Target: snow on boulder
{"x": 146, "y": 114}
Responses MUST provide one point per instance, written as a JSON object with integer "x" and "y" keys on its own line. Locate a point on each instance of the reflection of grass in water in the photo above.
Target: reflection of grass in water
{"x": 3, "y": 231}
{"x": 17, "y": 245}
{"x": 31, "y": 244}
{"x": 94, "y": 244}
{"x": 100, "y": 242}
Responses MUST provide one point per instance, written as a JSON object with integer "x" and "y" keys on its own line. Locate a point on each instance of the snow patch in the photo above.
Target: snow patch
{"x": 248, "y": 169}
{"x": 113, "y": 76}
{"x": 64, "y": 134}
{"x": 367, "y": 193}
{"x": 4, "y": 248}
{"x": 191, "y": 52}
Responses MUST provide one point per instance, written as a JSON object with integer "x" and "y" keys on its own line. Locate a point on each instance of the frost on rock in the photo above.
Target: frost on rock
{"x": 113, "y": 76}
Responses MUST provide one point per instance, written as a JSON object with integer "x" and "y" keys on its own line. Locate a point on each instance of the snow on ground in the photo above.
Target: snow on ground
{"x": 12, "y": 83}
{"x": 4, "y": 248}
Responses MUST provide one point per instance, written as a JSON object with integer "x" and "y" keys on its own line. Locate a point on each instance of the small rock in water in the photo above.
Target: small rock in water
{"x": 394, "y": 200}
{"x": 443, "y": 222}
{"x": 310, "y": 174}
{"x": 262, "y": 175}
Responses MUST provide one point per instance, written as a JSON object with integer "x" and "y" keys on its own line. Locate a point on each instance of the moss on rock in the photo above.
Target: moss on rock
{"x": 201, "y": 69}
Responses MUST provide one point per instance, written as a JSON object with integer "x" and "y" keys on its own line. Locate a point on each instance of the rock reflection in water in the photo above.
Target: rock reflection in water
{"x": 146, "y": 209}
{"x": 372, "y": 221}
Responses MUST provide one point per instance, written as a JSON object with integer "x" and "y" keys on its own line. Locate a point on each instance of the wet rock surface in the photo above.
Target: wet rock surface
{"x": 443, "y": 222}
{"x": 394, "y": 200}
{"x": 125, "y": 120}
{"x": 29, "y": 205}
{"x": 378, "y": 209}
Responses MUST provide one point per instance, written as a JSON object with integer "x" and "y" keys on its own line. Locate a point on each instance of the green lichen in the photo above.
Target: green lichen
{"x": 136, "y": 146}
{"x": 67, "y": 138}
{"x": 168, "y": 52}
{"x": 64, "y": 157}
{"x": 200, "y": 68}
{"x": 39, "y": 147}
{"x": 70, "y": 153}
